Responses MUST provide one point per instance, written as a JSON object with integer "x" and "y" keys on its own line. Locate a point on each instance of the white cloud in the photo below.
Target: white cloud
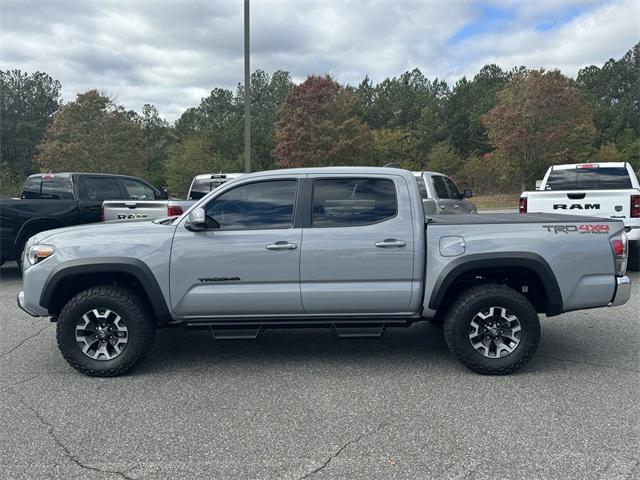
{"x": 171, "y": 53}
{"x": 605, "y": 32}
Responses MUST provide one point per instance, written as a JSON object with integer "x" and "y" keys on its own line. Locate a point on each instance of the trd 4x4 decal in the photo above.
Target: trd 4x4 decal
{"x": 603, "y": 228}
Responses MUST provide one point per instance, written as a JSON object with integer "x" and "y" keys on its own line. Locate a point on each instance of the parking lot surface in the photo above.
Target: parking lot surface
{"x": 300, "y": 404}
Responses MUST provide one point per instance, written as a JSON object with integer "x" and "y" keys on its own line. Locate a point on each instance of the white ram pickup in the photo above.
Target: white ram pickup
{"x": 606, "y": 190}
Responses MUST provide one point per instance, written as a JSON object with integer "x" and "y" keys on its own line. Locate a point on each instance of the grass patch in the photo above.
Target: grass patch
{"x": 500, "y": 200}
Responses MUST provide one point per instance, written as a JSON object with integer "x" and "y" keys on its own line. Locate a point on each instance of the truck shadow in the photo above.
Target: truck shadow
{"x": 181, "y": 350}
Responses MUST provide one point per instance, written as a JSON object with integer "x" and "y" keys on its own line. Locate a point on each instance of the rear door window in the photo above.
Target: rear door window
{"x": 347, "y": 202}
{"x": 137, "y": 190}
{"x": 99, "y": 189}
{"x": 597, "y": 178}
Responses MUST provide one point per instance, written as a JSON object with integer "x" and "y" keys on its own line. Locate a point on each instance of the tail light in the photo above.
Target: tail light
{"x": 635, "y": 206}
{"x": 174, "y": 211}
{"x": 522, "y": 206}
{"x": 620, "y": 249}
{"x": 102, "y": 214}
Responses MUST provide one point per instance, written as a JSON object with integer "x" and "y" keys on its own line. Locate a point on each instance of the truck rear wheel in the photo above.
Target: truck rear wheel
{"x": 105, "y": 331}
{"x": 492, "y": 329}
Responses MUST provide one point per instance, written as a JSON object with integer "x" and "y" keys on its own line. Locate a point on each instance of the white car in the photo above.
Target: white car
{"x": 607, "y": 190}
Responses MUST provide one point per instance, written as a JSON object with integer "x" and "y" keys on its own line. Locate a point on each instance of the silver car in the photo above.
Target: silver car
{"x": 440, "y": 195}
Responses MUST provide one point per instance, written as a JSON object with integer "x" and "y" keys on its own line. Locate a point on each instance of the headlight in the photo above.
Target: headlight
{"x": 38, "y": 253}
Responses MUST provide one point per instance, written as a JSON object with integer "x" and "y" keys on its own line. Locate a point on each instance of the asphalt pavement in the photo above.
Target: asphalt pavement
{"x": 304, "y": 404}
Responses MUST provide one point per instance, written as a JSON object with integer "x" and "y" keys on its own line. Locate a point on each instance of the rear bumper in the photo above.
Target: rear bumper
{"x": 623, "y": 291}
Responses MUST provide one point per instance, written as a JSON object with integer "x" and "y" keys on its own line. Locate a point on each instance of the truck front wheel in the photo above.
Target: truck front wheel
{"x": 492, "y": 329}
{"x": 105, "y": 331}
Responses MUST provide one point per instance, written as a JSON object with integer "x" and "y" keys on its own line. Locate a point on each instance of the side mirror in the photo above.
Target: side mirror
{"x": 538, "y": 184}
{"x": 196, "y": 221}
{"x": 164, "y": 193}
{"x": 467, "y": 193}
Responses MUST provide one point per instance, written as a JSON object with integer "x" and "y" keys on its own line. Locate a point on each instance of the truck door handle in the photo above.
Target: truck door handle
{"x": 391, "y": 243}
{"x": 281, "y": 245}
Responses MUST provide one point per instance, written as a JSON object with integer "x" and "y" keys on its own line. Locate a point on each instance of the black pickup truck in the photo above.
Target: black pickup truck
{"x": 58, "y": 200}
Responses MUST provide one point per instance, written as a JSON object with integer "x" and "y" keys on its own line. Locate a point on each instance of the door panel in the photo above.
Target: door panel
{"x": 233, "y": 273}
{"x": 342, "y": 270}
{"x": 248, "y": 262}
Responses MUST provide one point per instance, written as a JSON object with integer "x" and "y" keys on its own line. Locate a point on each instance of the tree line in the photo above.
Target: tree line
{"x": 497, "y": 131}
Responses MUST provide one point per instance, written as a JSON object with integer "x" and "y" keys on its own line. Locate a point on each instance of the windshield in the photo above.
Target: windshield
{"x": 596, "y": 178}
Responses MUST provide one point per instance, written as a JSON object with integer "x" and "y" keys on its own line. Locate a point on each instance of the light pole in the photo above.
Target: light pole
{"x": 247, "y": 92}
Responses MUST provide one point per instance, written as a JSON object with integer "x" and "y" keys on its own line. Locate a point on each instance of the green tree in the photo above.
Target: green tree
{"x": 192, "y": 156}
{"x": 27, "y": 103}
{"x": 488, "y": 173}
{"x": 539, "y": 121}
{"x": 443, "y": 158}
{"x": 158, "y": 138}
{"x": 93, "y": 134}
{"x": 399, "y": 102}
{"x": 466, "y": 105}
{"x": 613, "y": 93}
{"x": 267, "y": 94}
{"x": 395, "y": 146}
{"x": 320, "y": 124}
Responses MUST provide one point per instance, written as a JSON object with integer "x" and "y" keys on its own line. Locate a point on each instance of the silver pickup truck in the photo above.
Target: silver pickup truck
{"x": 348, "y": 248}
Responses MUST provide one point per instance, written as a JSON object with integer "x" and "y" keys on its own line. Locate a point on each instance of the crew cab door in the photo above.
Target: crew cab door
{"x": 358, "y": 248}
{"x": 247, "y": 262}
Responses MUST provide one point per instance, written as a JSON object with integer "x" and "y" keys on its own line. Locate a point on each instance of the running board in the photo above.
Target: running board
{"x": 235, "y": 333}
{"x": 374, "y": 331}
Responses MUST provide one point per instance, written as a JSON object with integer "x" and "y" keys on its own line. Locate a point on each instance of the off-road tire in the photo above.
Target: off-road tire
{"x": 136, "y": 315}
{"x": 457, "y": 328}
{"x": 633, "y": 262}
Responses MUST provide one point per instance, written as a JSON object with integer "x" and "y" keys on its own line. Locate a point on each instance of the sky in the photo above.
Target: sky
{"x": 171, "y": 53}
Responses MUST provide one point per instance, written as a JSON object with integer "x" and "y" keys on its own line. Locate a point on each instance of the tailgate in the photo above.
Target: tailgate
{"x": 133, "y": 209}
{"x": 600, "y": 203}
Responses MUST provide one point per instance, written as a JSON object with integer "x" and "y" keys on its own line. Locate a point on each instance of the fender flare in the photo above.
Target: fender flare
{"x": 130, "y": 266}
{"x": 528, "y": 260}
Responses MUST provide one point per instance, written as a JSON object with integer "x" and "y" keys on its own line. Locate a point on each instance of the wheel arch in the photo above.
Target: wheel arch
{"x": 515, "y": 265}
{"x": 71, "y": 277}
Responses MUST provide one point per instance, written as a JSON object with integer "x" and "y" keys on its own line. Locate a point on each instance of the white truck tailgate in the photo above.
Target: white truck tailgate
{"x": 600, "y": 203}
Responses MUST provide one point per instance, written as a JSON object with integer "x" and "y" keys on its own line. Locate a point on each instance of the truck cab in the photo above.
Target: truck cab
{"x": 440, "y": 195}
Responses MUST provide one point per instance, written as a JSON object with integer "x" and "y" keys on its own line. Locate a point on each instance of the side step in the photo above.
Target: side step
{"x": 373, "y": 331}
{"x": 235, "y": 333}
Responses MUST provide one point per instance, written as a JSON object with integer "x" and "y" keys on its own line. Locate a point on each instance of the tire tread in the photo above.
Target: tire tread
{"x": 477, "y": 294}
{"x": 128, "y": 299}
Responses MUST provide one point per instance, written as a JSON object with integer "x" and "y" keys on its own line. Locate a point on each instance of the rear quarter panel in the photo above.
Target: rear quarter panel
{"x": 582, "y": 263}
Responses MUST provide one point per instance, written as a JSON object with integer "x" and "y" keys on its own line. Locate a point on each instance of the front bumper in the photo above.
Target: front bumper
{"x": 623, "y": 291}
{"x": 21, "y": 304}
{"x": 33, "y": 310}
